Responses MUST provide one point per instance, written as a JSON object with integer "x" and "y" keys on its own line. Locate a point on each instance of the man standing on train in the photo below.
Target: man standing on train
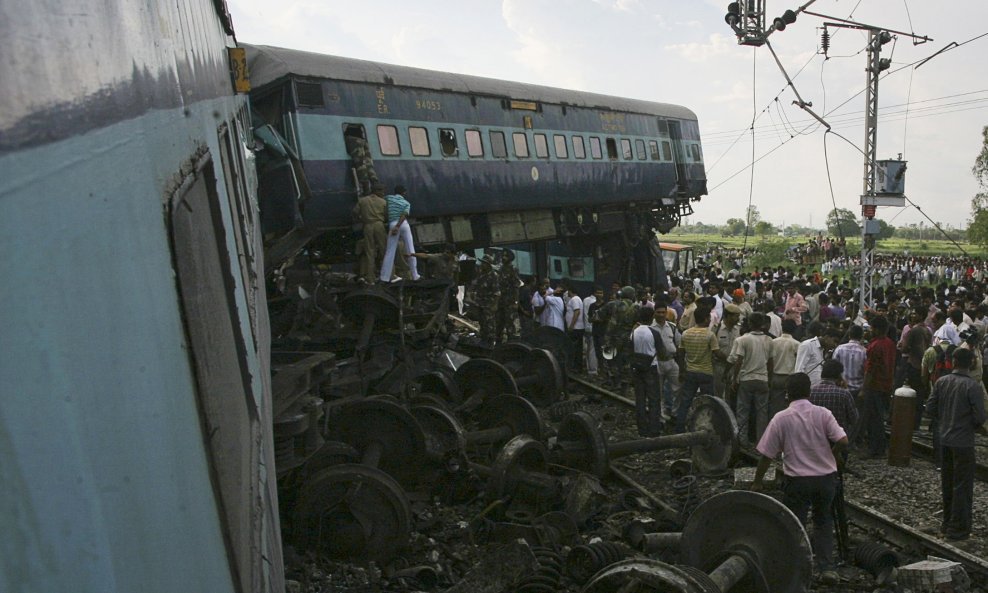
{"x": 371, "y": 212}
{"x": 398, "y": 229}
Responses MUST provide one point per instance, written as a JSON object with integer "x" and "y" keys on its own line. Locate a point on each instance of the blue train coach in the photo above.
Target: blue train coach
{"x": 136, "y": 446}
{"x": 572, "y": 176}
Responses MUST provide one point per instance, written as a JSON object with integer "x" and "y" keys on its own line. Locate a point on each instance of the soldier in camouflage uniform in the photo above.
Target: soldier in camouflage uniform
{"x": 618, "y": 318}
{"x": 486, "y": 291}
{"x": 363, "y": 164}
{"x": 440, "y": 266}
{"x": 508, "y": 326}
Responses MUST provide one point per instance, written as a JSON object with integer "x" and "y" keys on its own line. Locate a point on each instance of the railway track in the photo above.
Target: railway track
{"x": 873, "y": 522}
{"x": 923, "y": 449}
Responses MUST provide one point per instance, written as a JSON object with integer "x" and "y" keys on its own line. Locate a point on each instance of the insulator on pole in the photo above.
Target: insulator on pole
{"x": 825, "y": 41}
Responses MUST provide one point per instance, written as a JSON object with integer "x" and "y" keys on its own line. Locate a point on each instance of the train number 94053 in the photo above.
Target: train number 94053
{"x": 428, "y": 105}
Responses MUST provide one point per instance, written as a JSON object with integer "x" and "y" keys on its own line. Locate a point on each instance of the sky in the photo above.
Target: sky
{"x": 682, "y": 52}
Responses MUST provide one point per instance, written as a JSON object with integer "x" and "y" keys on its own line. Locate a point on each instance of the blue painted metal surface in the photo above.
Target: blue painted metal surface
{"x": 107, "y": 480}
{"x": 313, "y": 98}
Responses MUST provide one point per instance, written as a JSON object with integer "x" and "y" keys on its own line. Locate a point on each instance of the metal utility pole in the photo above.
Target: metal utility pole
{"x": 868, "y": 204}
{"x": 884, "y": 182}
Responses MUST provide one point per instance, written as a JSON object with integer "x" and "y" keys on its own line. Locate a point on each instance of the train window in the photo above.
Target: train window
{"x": 419, "y": 139}
{"x": 640, "y": 149}
{"x": 653, "y": 150}
{"x": 696, "y": 152}
{"x": 499, "y": 149}
{"x": 475, "y": 147}
{"x": 447, "y": 140}
{"x": 626, "y": 149}
{"x": 666, "y": 150}
{"x": 388, "y": 137}
{"x": 521, "y": 144}
{"x": 579, "y": 148}
{"x": 612, "y": 149}
{"x": 663, "y": 127}
{"x": 560, "y": 141}
{"x": 595, "y": 148}
{"x": 541, "y": 146}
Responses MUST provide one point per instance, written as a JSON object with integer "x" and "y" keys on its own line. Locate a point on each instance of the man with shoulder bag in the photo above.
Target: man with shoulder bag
{"x": 645, "y": 375}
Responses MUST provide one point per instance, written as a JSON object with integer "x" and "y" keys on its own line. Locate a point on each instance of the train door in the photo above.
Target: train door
{"x": 362, "y": 165}
{"x": 682, "y": 172}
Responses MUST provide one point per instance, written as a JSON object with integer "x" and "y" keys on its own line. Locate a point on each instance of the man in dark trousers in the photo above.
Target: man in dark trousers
{"x": 958, "y": 407}
{"x": 879, "y": 380}
{"x": 811, "y": 442}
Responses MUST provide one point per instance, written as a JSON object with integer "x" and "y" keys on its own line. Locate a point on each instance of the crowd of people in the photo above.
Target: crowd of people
{"x": 781, "y": 344}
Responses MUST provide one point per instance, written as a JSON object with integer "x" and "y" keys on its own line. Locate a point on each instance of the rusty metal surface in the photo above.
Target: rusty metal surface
{"x": 353, "y": 511}
{"x": 713, "y": 416}
{"x": 757, "y": 526}
{"x": 377, "y": 423}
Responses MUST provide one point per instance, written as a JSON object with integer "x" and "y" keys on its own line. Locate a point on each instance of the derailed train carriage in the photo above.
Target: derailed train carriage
{"x": 136, "y": 448}
{"x": 576, "y": 183}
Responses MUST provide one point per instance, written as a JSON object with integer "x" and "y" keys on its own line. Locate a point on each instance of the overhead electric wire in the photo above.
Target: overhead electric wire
{"x": 949, "y": 47}
{"x": 949, "y": 238}
{"x": 820, "y": 120}
{"x": 777, "y": 95}
{"x": 909, "y": 16}
{"x": 731, "y": 133}
{"x": 754, "y": 115}
{"x": 833, "y": 198}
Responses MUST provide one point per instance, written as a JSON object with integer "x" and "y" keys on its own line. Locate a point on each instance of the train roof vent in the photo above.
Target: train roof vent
{"x": 309, "y": 94}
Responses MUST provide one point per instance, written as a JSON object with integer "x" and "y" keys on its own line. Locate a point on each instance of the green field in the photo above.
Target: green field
{"x": 900, "y": 246}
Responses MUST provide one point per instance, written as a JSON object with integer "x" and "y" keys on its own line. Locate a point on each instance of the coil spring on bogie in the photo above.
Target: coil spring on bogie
{"x": 875, "y": 558}
{"x": 585, "y": 561}
{"x": 546, "y": 577}
{"x": 560, "y": 410}
{"x": 686, "y": 496}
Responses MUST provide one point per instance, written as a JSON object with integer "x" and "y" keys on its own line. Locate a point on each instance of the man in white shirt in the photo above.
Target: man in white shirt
{"x": 648, "y": 401}
{"x": 575, "y": 325}
{"x": 784, "y": 349}
{"x": 590, "y": 358}
{"x": 811, "y": 354}
{"x": 950, "y": 331}
{"x": 554, "y": 310}
{"x": 751, "y": 356}
{"x": 667, "y": 366}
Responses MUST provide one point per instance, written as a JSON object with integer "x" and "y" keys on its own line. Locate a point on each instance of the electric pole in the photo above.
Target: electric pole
{"x": 884, "y": 182}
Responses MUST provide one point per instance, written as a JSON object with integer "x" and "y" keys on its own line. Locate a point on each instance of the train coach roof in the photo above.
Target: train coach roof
{"x": 268, "y": 64}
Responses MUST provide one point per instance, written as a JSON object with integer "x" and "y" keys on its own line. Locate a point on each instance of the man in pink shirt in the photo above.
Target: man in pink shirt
{"x": 795, "y": 307}
{"x": 810, "y": 441}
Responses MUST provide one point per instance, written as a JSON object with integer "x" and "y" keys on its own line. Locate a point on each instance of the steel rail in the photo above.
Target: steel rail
{"x": 924, "y": 450}
{"x": 875, "y": 522}
{"x": 906, "y": 537}
{"x": 616, "y": 397}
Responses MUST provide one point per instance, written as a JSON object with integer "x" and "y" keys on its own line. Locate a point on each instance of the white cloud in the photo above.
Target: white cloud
{"x": 717, "y": 45}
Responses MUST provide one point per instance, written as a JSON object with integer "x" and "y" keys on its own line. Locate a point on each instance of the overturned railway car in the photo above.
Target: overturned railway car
{"x": 136, "y": 449}
{"x": 576, "y": 183}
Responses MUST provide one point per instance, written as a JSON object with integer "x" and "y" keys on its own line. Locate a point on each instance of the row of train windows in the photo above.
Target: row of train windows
{"x": 418, "y": 139}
